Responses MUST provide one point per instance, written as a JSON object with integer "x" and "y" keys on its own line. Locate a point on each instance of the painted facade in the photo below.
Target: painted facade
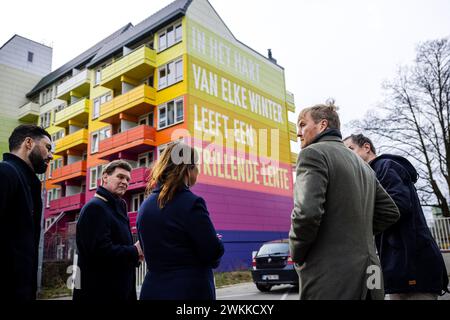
{"x": 181, "y": 76}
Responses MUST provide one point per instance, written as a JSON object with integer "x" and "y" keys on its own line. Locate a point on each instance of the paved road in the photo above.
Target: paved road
{"x": 248, "y": 291}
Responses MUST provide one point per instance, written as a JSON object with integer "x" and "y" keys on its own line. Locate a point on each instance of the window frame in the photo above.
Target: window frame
{"x": 175, "y": 113}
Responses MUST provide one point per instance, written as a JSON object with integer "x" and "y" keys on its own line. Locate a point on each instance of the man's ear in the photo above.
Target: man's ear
{"x": 323, "y": 125}
{"x": 367, "y": 147}
{"x": 28, "y": 143}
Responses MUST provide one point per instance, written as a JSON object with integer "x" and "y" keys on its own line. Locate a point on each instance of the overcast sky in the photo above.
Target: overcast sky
{"x": 342, "y": 49}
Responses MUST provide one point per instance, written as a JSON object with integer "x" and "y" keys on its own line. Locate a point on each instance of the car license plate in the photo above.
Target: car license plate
{"x": 271, "y": 277}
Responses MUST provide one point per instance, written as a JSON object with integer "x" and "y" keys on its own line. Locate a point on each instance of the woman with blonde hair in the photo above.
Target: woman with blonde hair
{"x": 180, "y": 244}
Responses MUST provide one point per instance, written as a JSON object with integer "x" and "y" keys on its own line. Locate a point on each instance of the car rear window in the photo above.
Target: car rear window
{"x": 274, "y": 248}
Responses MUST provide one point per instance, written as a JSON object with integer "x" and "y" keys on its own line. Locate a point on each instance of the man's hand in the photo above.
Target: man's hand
{"x": 140, "y": 252}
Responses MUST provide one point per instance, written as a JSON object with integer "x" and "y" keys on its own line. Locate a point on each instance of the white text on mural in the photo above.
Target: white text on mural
{"x": 235, "y": 94}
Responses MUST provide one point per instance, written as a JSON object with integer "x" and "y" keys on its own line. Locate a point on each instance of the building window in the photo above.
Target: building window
{"x": 171, "y": 113}
{"x": 146, "y": 160}
{"x": 98, "y": 76}
{"x": 30, "y": 56}
{"x": 105, "y": 133}
{"x": 94, "y": 142}
{"x": 137, "y": 201}
{"x": 147, "y": 120}
{"x": 45, "y": 120}
{"x": 170, "y": 74}
{"x": 95, "y": 175}
{"x": 96, "y": 111}
{"x": 170, "y": 36}
{"x": 58, "y": 135}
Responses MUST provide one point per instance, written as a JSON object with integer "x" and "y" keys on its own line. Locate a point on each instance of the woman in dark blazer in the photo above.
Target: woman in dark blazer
{"x": 180, "y": 244}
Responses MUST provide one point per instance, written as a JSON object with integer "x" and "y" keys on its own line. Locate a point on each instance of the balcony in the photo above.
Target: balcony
{"x": 135, "y": 103}
{"x": 294, "y": 157}
{"x": 77, "y": 141}
{"x": 133, "y": 218}
{"x": 67, "y": 204}
{"x": 29, "y": 112}
{"x": 138, "y": 64}
{"x": 78, "y": 112}
{"x": 79, "y": 84}
{"x": 139, "y": 178}
{"x": 133, "y": 141}
{"x": 290, "y": 102}
{"x": 292, "y": 132}
{"x": 75, "y": 171}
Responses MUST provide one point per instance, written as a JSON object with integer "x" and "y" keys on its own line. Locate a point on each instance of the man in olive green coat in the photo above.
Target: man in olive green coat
{"x": 338, "y": 207}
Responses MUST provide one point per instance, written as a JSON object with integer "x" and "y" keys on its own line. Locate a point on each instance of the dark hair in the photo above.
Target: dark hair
{"x": 112, "y": 166}
{"x": 24, "y": 131}
{"x": 361, "y": 140}
{"x": 327, "y": 111}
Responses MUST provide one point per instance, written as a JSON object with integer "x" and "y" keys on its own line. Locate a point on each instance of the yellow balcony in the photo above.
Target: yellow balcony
{"x": 79, "y": 85}
{"x": 294, "y": 157}
{"x": 292, "y": 132}
{"x": 75, "y": 141}
{"x": 77, "y": 112}
{"x": 290, "y": 102}
{"x": 137, "y": 65}
{"x": 29, "y": 112}
{"x": 135, "y": 103}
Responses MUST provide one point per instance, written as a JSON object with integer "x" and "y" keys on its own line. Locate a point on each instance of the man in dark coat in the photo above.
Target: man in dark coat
{"x": 107, "y": 257}
{"x": 412, "y": 263}
{"x": 21, "y": 210}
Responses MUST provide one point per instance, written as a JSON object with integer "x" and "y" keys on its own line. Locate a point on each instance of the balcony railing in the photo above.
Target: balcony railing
{"x": 29, "y": 112}
{"x": 71, "y": 171}
{"x": 292, "y": 132}
{"x": 139, "y": 178}
{"x": 77, "y": 140}
{"x": 79, "y": 83}
{"x": 78, "y": 112}
{"x": 137, "y": 64}
{"x": 135, "y": 102}
{"x": 290, "y": 102}
{"x": 136, "y": 140}
{"x": 70, "y": 203}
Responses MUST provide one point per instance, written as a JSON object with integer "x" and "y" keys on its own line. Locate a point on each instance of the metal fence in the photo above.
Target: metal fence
{"x": 440, "y": 229}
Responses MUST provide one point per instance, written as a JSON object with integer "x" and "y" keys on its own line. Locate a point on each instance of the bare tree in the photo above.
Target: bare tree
{"x": 414, "y": 121}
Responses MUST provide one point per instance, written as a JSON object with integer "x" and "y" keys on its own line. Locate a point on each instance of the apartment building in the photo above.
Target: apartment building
{"x": 178, "y": 75}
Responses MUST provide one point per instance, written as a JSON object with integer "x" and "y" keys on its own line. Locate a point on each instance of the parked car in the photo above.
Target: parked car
{"x": 272, "y": 265}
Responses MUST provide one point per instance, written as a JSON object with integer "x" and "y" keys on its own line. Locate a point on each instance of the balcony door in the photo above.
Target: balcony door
{"x": 147, "y": 120}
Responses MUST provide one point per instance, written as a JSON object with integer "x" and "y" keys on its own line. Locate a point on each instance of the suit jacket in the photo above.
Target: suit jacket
{"x": 107, "y": 257}
{"x": 338, "y": 207}
{"x": 180, "y": 246}
{"x": 20, "y": 216}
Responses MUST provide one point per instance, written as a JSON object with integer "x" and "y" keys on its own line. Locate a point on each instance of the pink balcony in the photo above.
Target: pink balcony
{"x": 139, "y": 178}
{"x": 66, "y": 204}
{"x": 133, "y": 218}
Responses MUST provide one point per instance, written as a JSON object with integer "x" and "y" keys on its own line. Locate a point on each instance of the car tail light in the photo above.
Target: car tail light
{"x": 289, "y": 261}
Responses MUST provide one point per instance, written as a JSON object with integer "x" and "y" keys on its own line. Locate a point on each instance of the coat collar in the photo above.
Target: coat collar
{"x": 328, "y": 135}
{"x": 118, "y": 204}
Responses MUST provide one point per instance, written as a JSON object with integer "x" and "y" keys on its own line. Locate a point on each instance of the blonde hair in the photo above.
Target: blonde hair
{"x": 170, "y": 171}
{"x": 327, "y": 111}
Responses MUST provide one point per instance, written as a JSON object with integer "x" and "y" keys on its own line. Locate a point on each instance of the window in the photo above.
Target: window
{"x": 105, "y": 133}
{"x": 146, "y": 120}
{"x": 98, "y": 76}
{"x": 150, "y": 81}
{"x": 171, "y": 113}
{"x": 96, "y": 111}
{"x": 53, "y": 194}
{"x": 58, "y": 135}
{"x": 137, "y": 201}
{"x": 94, "y": 142}
{"x": 170, "y": 36}
{"x": 98, "y": 102}
{"x": 145, "y": 160}
{"x": 30, "y": 56}
{"x": 95, "y": 174}
{"x": 45, "y": 120}
{"x": 170, "y": 74}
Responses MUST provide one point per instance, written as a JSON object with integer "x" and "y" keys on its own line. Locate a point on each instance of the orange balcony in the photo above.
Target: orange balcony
{"x": 134, "y": 103}
{"x": 139, "y": 178}
{"x": 73, "y": 171}
{"x": 134, "y": 141}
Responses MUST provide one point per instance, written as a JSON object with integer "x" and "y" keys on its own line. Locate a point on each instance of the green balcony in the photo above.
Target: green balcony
{"x": 136, "y": 65}
{"x": 29, "y": 112}
{"x": 77, "y": 112}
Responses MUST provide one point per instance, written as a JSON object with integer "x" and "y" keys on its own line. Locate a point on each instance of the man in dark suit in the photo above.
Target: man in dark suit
{"x": 412, "y": 263}
{"x": 106, "y": 253}
{"x": 21, "y": 210}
